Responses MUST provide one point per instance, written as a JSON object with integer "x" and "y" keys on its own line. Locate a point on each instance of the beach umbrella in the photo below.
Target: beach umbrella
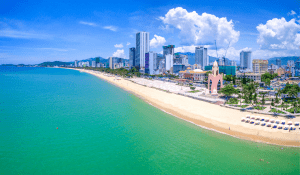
{"x": 257, "y": 122}
{"x": 266, "y": 119}
{"x": 296, "y": 123}
{"x": 282, "y": 121}
{"x": 274, "y": 126}
{"x": 293, "y": 127}
{"x": 286, "y": 127}
{"x": 251, "y": 121}
{"x": 280, "y": 126}
{"x": 272, "y": 120}
{"x": 252, "y": 117}
{"x": 263, "y": 123}
{"x": 269, "y": 124}
{"x": 247, "y": 116}
{"x": 290, "y": 123}
{"x": 262, "y": 119}
{"x": 247, "y": 120}
{"x": 243, "y": 119}
{"x": 277, "y": 121}
{"x": 257, "y": 117}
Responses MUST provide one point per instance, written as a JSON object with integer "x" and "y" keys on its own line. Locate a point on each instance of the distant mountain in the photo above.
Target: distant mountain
{"x": 284, "y": 60}
{"x": 55, "y": 63}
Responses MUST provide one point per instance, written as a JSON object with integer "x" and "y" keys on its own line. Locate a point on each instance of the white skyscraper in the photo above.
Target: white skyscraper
{"x": 169, "y": 62}
{"x": 201, "y": 57}
{"x": 93, "y": 63}
{"x": 246, "y": 61}
{"x": 142, "y": 47}
{"x": 232, "y": 63}
{"x": 76, "y": 63}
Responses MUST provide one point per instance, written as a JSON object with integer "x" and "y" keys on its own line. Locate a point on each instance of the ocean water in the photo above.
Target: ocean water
{"x": 58, "y": 121}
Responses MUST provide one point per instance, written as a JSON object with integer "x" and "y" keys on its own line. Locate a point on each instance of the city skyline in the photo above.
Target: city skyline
{"x": 30, "y": 33}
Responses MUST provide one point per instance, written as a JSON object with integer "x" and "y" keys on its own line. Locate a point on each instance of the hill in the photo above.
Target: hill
{"x": 55, "y": 63}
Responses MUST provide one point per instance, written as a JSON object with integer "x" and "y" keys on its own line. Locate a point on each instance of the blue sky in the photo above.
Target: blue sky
{"x": 33, "y": 32}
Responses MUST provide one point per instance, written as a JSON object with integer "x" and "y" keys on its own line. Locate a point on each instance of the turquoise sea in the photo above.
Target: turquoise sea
{"x": 58, "y": 121}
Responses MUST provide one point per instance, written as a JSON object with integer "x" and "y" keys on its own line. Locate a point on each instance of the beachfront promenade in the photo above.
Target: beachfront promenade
{"x": 207, "y": 115}
{"x": 178, "y": 89}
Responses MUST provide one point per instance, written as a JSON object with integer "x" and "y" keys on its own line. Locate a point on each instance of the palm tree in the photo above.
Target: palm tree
{"x": 263, "y": 98}
{"x": 255, "y": 98}
{"x": 293, "y": 92}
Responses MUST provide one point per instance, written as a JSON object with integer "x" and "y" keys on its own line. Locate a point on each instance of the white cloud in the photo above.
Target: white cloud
{"x": 201, "y": 29}
{"x": 157, "y": 41}
{"x": 9, "y": 33}
{"x": 55, "y": 49}
{"x": 119, "y": 53}
{"x": 128, "y": 43}
{"x": 118, "y": 45}
{"x": 266, "y": 54}
{"x": 185, "y": 49}
{"x": 278, "y": 34}
{"x": 112, "y": 28}
{"x": 292, "y": 12}
{"x": 87, "y": 23}
{"x": 232, "y": 53}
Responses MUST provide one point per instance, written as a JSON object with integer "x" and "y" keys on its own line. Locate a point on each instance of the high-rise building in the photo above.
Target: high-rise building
{"x": 180, "y": 59}
{"x": 168, "y": 50}
{"x": 297, "y": 68}
{"x": 221, "y": 61}
{"x": 150, "y": 63}
{"x": 232, "y": 63}
{"x": 169, "y": 63}
{"x": 113, "y": 62}
{"x": 245, "y": 58}
{"x": 93, "y": 63}
{"x": 201, "y": 57}
{"x": 142, "y": 47}
{"x": 76, "y": 63}
{"x": 278, "y": 62}
{"x": 132, "y": 57}
{"x": 291, "y": 67}
{"x": 260, "y": 66}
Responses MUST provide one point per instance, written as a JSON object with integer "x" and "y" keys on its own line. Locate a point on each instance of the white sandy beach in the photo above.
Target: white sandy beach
{"x": 209, "y": 115}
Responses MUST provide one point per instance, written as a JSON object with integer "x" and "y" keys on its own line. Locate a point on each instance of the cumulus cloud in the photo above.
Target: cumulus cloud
{"x": 266, "y": 54}
{"x": 119, "y": 53}
{"x": 128, "y": 43}
{"x": 201, "y": 29}
{"x": 185, "y": 49}
{"x": 279, "y": 34}
{"x": 157, "y": 41}
{"x": 232, "y": 53}
{"x": 118, "y": 45}
{"x": 112, "y": 28}
{"x": 292, "y": 12}
{"x": 87, "y": 23}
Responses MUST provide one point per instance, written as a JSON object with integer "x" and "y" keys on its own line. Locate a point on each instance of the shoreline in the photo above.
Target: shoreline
{"x": 204, "y": 117}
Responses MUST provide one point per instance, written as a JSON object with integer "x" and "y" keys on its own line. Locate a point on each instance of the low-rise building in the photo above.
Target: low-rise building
{"x": 260, "y": 66}
{"x": 252, "y": 76}
{"x": 195, "y": 75}
{"x": 280, "y": 71}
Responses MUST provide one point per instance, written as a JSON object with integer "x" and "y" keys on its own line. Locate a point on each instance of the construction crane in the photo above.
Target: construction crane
{"x": 227, "y": 49}
{"x": 216, "y": 48}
